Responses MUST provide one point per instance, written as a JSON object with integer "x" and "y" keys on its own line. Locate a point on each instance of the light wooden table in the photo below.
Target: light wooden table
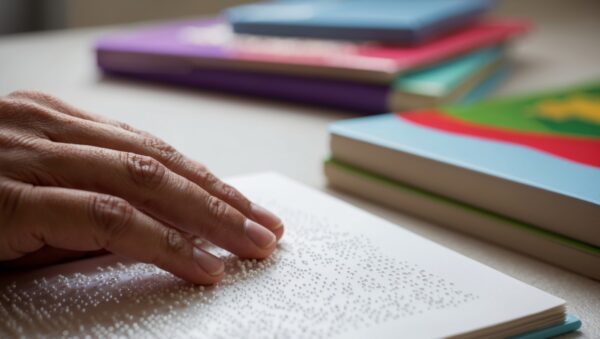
{"x": 237, "y": 135}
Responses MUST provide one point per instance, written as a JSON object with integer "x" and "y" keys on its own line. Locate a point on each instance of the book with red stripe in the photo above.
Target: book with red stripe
{"x": 535, "y": 158}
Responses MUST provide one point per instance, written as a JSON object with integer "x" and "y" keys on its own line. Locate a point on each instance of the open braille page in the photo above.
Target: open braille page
{"x": 338, "y": 272}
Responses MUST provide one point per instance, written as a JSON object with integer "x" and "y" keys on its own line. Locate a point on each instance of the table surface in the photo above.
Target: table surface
{"x": 238, "y": 135}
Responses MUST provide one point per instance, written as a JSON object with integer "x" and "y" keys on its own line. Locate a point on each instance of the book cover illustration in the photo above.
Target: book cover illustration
{"x": 565, "y": 124}
{"x": 549, "y": 140}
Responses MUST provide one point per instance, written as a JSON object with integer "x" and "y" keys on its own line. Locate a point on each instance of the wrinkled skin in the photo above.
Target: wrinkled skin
{"x": 73, "y": 183}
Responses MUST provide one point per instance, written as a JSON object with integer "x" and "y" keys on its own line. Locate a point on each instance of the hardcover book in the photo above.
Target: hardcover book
{"x": 397, "y": 21}
{"x": 551, "y": 247}
{"x": 534, "y": 158}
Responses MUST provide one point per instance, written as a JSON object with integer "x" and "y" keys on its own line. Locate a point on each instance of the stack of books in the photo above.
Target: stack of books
{"x": 522, "y": 172}
{"x": 353, "y": 54}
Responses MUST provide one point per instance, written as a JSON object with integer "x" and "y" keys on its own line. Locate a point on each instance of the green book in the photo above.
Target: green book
{"x": 551, "y": 247}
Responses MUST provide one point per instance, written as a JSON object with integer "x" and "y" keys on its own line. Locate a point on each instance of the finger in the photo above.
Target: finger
{"x": 82, "y": 221}
{"x": 157, "y": 191}
{"x": 87, "y": 129}
{"x": 49, "y": 102}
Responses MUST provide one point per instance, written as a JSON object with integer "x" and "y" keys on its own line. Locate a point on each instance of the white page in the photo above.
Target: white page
{"x": 338, "y": 272}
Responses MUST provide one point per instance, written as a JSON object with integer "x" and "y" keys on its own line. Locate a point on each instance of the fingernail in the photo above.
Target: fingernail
{"x": 260, "y": 236}
{"x": 265, "y": 217}
{"x": 208, "y": 263}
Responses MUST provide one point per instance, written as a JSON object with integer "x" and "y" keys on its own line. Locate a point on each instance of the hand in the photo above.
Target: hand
{"x": 72, "y": 182}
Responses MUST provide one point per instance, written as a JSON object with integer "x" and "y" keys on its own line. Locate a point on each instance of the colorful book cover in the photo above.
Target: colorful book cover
{"x": 547, "y": 143}
{"x": 397, "y": 21}
{"x": 437, "y": 82}
{"x": 565, "y": 125}
{"x": 183, "y": 47}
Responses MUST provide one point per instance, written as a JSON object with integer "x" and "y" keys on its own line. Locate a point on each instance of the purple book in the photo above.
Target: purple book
{"x": 329, "y": 93}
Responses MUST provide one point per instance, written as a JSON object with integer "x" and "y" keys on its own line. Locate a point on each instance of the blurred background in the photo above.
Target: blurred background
{"x": 32, "y": 15}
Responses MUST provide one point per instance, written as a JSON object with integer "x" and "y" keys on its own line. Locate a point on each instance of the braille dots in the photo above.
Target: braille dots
{"x": 320, "y": 282}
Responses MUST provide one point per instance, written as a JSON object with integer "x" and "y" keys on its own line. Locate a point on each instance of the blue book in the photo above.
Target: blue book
{"x": 531, "y": 162}
{"x": 395, "y": 21}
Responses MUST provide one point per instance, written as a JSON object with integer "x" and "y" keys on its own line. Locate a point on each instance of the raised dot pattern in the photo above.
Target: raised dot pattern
{"x": 320, "y": 282}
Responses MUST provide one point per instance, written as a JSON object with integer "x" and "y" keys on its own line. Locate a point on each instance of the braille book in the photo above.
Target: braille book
{"x": 338, "y": 272}
{"x": 395, "y": 21}
{"x": 533, "y": 159}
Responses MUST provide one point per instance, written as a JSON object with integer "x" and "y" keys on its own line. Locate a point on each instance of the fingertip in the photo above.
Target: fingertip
{"x": 204, "y": 268}
{"x": 278, "y": 231}
{"x": 208, "y": 263}
{"x": 206, "y": 280}
{"x": 266, "y": 218}
{"x": 202, "y": 279}
{"x": 263, "y": 238}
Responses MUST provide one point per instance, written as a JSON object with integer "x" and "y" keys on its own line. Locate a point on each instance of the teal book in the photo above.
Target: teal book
{"x": 443, "y": 78}
{"x": 469, "y": 77}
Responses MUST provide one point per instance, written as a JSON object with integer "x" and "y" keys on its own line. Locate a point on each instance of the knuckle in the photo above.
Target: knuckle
{"x": 201, "y": 167}
{"x": 26, "y": 93}
{"x": 145, "y": 171}
{"x": 125, "y": 126}
{"x": 234, "y": 196}
{"x": 46, "y": 101}
{"x": 208, "y": 179}
{"x": 229, "y": 192}
{"x": 38, "y": 97}
{"x": 111, "y": 215}
{"x": 19, "y": 108}
{"x": 197, "y": 167}
{"x": 173, "y": 241}
{"x": 217, "y": 210}
{"x": 33, "y": 98}
{"x": 164, "y": 151}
